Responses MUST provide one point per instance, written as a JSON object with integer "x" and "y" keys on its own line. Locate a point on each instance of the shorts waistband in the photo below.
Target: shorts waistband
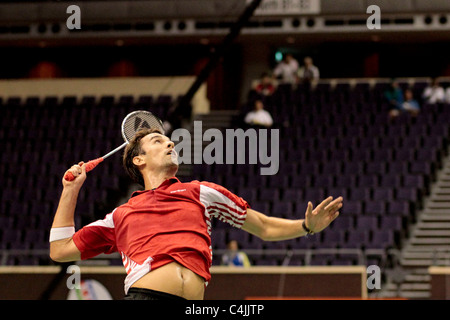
{"x": 149, "y": 294}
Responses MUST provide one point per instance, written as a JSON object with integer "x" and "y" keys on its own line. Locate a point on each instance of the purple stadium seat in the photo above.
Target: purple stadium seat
{"x": 339, "y": 155}
{"x": 413, "y": 181}
{"x": 381, "y": 239}
{"x": 399, "y": 207}
{"x": 396, "y": 131}
{"x": 369, "y": 142}
{"x": 391, "y": 181}
{"x": 383, "y": 194}
{"x": 343, "y": 222}
{"x": 11, "y": 238}
{"x": 355, "y": 130}
{"x": 269, "y": 194}
{"x": 247, "y": 193}
{"x": 391, "y": 222}
{"x": 356, "y": 239}
{"x": 361, "y": 155}
{"x": 375, "y": 208}
{"x": 345, "y": 181}
{"x": 404, "y": 154}
{"x": 336, "y": 192}
{"x": 315, "y": 195}
{"x": 286, "y": 168}
{"x": 318, "y": 155}
{"x": 405, "y": 193}
{"x": 283, "y": 209}
{"x": 353, "y": 168}
{"x": 366, "y": 223}
{"x": 255, "y": 243}
{"x": 332, "y": 238}
{"x": 230, "y": 181}
{"x": 390, "y": 141}
{"x": 309, "y": 168}
{"x": 301, "y": 181}
{"x": 292, "y": 194}
{"x": 240, "y": 236}
{"x": 218, "y": 238}
{"x": 383, "y": 155}
{"x": 256, "y": 181}
{"x": 261, "y": 206}
{"x": 348, "y": 142}
{"x": 428, "y": 155}
{"x": 323, "y": 181}
{"x": 279, "y": 181}
{"x": 332, "y": 168}
{"x": 359, "y": 194}
{"x": 368, "y": 180}
{"x": 421, "y": 167}
{"x": 319, "y": 260}
{"x": 352, "y": 208}
{"x": 397, "y": 167}
{"x": 377, "y": 167}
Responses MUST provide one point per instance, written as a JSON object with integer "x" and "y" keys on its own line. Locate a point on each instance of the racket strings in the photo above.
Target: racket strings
{"x": 137, "y": 121}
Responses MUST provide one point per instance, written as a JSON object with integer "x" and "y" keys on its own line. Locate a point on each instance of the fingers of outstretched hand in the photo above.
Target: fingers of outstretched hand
{"x": 321, "y": 207}
{"x": 335, "y": 205}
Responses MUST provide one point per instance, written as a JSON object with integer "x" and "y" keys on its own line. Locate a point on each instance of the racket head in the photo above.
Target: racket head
{"x": 138, "y": 120}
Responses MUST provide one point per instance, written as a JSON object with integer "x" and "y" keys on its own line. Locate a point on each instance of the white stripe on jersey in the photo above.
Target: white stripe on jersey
{"x": 229, "y": 211}
{"x": 108, "y": 222}
{"x": 134, "y": 270}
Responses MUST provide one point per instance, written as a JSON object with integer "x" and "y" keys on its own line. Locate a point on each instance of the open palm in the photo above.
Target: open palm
{"x": 319, "y": 218}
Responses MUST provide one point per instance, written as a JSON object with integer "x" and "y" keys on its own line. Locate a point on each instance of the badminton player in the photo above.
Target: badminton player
{"x": 163, "y": 232}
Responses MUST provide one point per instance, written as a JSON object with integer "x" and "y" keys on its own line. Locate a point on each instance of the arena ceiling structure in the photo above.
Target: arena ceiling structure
{"x": 38, "y": 23}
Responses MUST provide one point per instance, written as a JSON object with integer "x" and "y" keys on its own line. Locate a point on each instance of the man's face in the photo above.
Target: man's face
{"x": 159, "y": 151}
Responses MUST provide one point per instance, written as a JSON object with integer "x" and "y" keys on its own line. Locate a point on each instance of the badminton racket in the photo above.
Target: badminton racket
{"x": 132, "y": 123}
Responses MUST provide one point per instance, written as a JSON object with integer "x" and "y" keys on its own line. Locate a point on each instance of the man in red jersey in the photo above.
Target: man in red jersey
{"x": 163, "y": 232}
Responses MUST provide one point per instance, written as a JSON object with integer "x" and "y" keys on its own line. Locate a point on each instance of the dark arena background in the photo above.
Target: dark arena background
{"x": 71, "y": 70}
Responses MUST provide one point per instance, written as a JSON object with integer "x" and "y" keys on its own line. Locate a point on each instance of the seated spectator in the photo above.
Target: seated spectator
{"x": 234, "y": 257}
{"x": 265, "y": 86}
{"x": 309, "y": 72}
{"x": 434, "y": 93}
{"x": 394, "y": 97}
{"x": 259, "y": 117}
{"x": 410, "y": 104}
{"x": 447, "y": 95}
{"x": 287, "y": 69}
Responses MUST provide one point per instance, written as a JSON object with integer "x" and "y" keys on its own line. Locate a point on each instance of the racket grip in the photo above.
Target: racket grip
{"x": 89, "y": 166}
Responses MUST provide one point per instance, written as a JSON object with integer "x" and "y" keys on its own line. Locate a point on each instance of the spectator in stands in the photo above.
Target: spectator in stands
{"x": 410, "y": 104}
{"x": 394, "y": 97}
{"x": 235, "y": 257}
{"x": 286, "y": 70}
{"x": 259, "y": 117}
{"x": 265, "y": 85}
{"x": 447, "y": 95}
{"x": 434, "y": 93}
{"x": 308, "y": 73}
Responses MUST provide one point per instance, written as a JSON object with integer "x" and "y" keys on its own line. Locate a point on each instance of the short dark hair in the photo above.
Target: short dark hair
{"x": 134, "y": 149}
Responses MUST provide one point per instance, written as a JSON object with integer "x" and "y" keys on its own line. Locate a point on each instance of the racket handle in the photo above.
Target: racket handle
{"x": 89, "y": 166}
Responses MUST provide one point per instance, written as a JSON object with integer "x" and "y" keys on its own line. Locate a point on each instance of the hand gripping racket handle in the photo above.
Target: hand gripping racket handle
{"x": 89, "y": 166}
